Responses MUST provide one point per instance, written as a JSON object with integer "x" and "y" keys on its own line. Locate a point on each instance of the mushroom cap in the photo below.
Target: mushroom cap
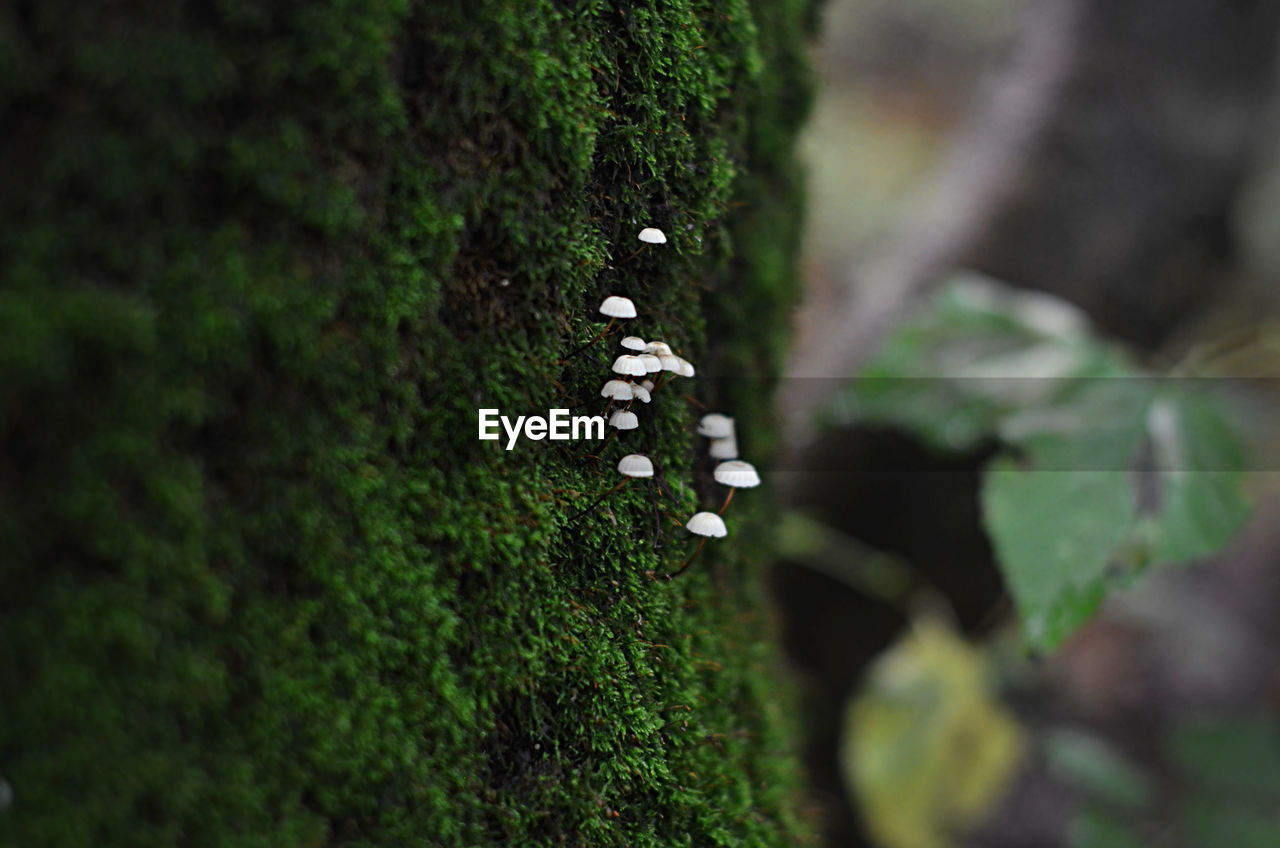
{"x": 669, "y": 362}
{"x": 708, "y": 524}
{"x": 641, "y": 392}
{"x": 647, "y": 384}
{"x": 686, "y": 368}
{"x": 618, "y": 390}
{"x": 653, "y": 235}
{"x": 629, "y": 365}
{"x": 634, "y": 343}
{"x": 658, "y": 348}
{"x": 738, "y": 474}
{"x": 624, "y": 420}
{"x": 635, "y": 465}
{"x": 652, "y": 364}
{"x": 715, "y": 426}
{"x": 726, "y": 448}
{"x": 616, "y": 306}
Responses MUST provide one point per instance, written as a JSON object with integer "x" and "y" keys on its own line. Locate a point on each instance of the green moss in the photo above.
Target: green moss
{"x": 262, "y": 585}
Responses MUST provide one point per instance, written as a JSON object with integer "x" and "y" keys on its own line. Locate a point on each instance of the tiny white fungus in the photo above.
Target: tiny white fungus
{"x": 686, "y": 368}
{"x": 715, "y": 426}
{"x": 652, "y": 364}
{"x": 635, "y": 465}
{"x": 624, "y": 420}
{"x": 616, "y": 306}
{"x": 641, "y": 393}
{"x": 738, "y": 474}
{"x": 629, "y": 365}
{"x": 618, "y": 390}
{"x": 653, "y": 235}
{"x": 647, "y": 385}
{"x": 658, "y": 348}
{"x": 634, "y": 343}
{"x": 708, "y": 524}
{"x": 726, "y": 448}
{"x": 669, "y": 362}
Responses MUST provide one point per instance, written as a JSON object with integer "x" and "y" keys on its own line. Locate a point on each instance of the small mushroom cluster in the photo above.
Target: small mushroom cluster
{"x": 639, "y": 359}
{"x": 632, "y": 369}
{"x": 719, "y": 429}
{"x": 732, "y": 472}
{"x": 647, "y": 358}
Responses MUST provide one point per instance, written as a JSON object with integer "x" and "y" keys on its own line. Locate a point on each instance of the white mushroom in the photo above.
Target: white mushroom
{"x": 634, "y": 343}
{"x": 616, "y": 306}
{"x": 708, "y": 525}
{"x": 629, "y": 365}
{"x": 726, "y": 448}
{"x": 686, "y": 368}
{"x": 652, "y": 364}
{"x": 715, "y": 426}
{"x": 640, "y": 392}
{"x": 624, "y": 420}
{"x": 617, "y": 390}
{"x": 668, "y": 362}
{"x": 653, "y": 235}
{"x": 736, "y": 474}
{"x": 658, "y": 348}
{"x": 635, "y": 465}
{"x": 647, "y": 384}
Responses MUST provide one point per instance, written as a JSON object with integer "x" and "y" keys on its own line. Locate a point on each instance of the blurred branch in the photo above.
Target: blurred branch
{"x": 975, "y": 176}
{"x": 1102, "y": 165}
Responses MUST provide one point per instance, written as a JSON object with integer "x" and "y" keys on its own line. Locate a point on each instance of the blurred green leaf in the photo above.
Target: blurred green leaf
{"x": 1201, "y": 512}
{"x": 1202, "y": 499}
{"x": 1054, "y": 533}
{"x": 1108, "y": 468}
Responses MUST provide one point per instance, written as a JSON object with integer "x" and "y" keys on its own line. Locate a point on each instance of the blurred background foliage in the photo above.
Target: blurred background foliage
{"x": 1080, "y": 390}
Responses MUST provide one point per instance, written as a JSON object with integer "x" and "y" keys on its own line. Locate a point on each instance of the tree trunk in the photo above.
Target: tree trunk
{"x": 261, "y": 583}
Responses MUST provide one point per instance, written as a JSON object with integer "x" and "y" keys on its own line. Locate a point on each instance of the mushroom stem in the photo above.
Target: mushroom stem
{"x": 607, "y": 328}
{"x": 606, "y": 442}
{"x": 726, "y": 500}
{"x": 682, "y": 569}
{"x": 632, "y": 256}
{"x": 599, "y": 500}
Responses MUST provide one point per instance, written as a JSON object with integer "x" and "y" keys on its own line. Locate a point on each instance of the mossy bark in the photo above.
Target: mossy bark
{"x": 261, "y": 584}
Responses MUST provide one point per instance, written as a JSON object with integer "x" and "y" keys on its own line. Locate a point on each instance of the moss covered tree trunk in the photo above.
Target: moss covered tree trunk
{"x": 260, "y": 583}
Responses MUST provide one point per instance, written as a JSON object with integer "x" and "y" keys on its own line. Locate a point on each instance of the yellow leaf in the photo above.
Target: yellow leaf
{"x": 928, "y": 750}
